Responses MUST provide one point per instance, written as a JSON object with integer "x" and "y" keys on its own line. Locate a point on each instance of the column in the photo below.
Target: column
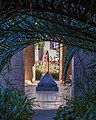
{"x": 29, "y": 60}
{"x": 61, "y": 63}
{"x": 62, "y": 53}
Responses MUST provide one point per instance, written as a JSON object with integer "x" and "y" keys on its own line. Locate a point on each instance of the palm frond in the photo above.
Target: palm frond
{"x": 69, "y": 55}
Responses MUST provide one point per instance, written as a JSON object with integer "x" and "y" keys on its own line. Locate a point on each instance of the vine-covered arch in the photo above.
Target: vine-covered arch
{"x": 22, "y": 26}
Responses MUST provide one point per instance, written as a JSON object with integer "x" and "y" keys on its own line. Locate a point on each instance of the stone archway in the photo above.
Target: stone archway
{"x": 22, "y": 29}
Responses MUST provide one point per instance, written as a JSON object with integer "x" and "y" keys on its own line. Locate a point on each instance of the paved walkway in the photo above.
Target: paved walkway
{"x": 48, "y": 101}
{"x": 44, "y": 115}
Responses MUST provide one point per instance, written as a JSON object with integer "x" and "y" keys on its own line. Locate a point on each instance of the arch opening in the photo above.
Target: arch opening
{"x": 22, "y": 30}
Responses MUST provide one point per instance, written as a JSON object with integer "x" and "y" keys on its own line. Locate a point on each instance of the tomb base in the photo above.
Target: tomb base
{"x": 47, "y": 83}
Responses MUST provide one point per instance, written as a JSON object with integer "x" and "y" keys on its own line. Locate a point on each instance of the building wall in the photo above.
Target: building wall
{"x": 17, "y": 72}
{"x": 82, "y": 72}
{"x": 20, "y": 70}
{"x": 14, "y": 72}
{"x": 39, "y": 53}
{"x": 47, "y": 46}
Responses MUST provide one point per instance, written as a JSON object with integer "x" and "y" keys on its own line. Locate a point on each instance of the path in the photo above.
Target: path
{"x": 44, "y": 115}
{"x": 49, "y": 101}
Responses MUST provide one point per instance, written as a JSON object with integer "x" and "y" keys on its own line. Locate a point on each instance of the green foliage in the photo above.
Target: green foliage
{"x": 38, "y": 74}
{"x": 83, "y": 105}
{"x": 40, "y": 70}
{"x": 66, "y": 113}
{"x": 69, "y": 55}
{"x": 55, "y": 75}
{"x": 58, "y": 22}
{"x": 81, "y": 108}
{"x": 14, "y": 105}
{"x": 40, "y": 44}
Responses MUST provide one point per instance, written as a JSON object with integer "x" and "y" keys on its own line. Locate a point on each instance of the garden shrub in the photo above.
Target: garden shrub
{"x": 38, "y": 74}
{"x": 14, "y": 105}
{"x": 40, "y": 70}
{"x": 66, "y": 113}
{"x": 81, "y": 107}
{"x": 55, "y": 75}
